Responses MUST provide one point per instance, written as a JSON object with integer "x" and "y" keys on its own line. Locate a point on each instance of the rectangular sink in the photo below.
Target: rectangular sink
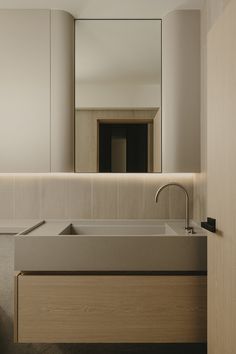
{"x": 119, "y": 230}
{"x": 111, "y": 245}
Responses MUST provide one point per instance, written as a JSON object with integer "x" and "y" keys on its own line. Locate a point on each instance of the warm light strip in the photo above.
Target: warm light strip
{"x": 98, "y": 175}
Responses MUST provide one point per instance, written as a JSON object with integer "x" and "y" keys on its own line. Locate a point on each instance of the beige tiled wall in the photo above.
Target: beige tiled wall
{"x": 94, "y": 196}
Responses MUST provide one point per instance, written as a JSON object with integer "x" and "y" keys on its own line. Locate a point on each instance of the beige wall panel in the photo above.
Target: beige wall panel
{"x": 53, "y": 197}
{"x": 27, "y": 190}
{"x": 105, "y": 197}
{"x": 25, "y": 91}
{"x": 131, "y": 197}
{"x": 87, "y": 196}
{"x": 181, "y": 92}
{"x": 79, "y": 196}
{"x": 7, "y": 197}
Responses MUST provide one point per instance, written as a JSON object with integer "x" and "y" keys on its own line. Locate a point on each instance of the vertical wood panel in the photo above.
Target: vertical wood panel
{"x": 221, "y": 182}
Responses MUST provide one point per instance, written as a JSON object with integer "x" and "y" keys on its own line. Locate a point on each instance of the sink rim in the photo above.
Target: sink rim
{"x": 60, "y": 227}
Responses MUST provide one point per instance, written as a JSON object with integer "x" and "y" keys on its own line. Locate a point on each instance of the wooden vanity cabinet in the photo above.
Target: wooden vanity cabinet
{"x": 110, "y": 309}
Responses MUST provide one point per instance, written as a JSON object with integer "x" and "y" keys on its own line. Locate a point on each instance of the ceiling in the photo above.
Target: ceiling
{"x": 106, "y": 8}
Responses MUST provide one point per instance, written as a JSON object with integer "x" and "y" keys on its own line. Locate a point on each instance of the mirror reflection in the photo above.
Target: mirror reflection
{"x": 118, "y": 96}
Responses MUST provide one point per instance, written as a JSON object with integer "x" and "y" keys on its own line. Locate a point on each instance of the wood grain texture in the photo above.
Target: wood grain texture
{"x": 112, "y": 309}
{"x": 221, "y": 182}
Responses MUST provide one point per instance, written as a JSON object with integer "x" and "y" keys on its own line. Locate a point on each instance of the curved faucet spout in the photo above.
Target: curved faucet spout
{"x": 187, "y": 227}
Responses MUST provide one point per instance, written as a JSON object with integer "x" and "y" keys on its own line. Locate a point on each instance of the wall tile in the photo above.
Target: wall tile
{"x": 200, "y": 192}
{"x": 153, "y": 210}
{"x": 104, "y": 196}
{"x": 131, "y": 197}
{"x": 79, "y": 197}
{"x": 97, "y": 196}
{"x": 27, "y": 197}
{"x": 7, "y": 205}
{"x": 53, "y": 197}
{"x": 177, "y": 197}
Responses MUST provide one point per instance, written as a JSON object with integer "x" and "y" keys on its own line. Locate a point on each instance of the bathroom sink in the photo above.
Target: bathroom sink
{"x": 110, "y": 246}
{"x": 119, "y": 230}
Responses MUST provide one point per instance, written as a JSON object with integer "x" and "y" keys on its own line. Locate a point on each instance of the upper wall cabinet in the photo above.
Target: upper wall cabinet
{"x": 36, "y": 91}
{"x": 181, "y": 92}
{"x": 137, "y": 93}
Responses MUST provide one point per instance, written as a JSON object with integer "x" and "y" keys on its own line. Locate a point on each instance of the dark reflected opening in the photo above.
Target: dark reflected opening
{"x": 123, "y": 147}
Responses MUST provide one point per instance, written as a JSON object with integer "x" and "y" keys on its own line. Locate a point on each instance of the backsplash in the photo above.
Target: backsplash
{"x": 96, "y": 196}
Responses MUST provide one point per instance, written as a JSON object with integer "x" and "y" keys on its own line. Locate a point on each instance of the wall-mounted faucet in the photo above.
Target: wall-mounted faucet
{"x": 187, "y": 227}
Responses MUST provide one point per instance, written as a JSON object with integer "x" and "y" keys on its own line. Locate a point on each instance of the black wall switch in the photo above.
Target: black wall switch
{"x": 209, "y": 225}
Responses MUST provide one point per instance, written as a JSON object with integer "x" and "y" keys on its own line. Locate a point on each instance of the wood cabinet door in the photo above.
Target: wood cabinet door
{"x": 111, "y": 309}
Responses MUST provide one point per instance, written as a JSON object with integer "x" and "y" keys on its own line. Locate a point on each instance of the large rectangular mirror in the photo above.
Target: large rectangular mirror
{"x": 118, "y": 96}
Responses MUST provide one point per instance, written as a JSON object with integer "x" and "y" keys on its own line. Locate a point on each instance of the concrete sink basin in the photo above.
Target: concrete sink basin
{"x": 111, "y": 246}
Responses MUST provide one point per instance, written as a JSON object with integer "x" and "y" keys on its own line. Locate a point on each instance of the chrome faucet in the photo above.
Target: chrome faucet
{"x": 187, "y": 227}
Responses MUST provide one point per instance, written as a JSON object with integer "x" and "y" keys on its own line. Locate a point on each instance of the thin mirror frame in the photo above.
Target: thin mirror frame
{"x": 161, "y": 94}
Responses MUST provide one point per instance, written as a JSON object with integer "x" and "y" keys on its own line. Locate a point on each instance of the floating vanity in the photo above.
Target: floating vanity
{"x": 110, "y": 282}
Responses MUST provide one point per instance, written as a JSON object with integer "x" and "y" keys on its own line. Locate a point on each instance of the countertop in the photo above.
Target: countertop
{"x": 14, "y": 226}
{"x": 54, "y": 226}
